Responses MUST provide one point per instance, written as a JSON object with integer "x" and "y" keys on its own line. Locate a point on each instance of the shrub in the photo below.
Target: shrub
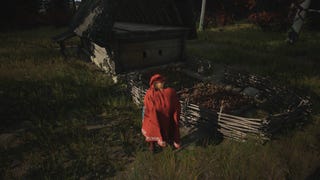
{"x": 269, "y": 20}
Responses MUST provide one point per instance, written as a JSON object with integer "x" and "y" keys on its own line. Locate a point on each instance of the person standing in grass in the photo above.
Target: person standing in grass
{"x": 161, "y": 114}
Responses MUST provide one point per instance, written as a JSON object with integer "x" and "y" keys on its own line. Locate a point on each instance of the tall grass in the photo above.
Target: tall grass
{"x": 47, "y": 102}
{"x": 294, "y": 154}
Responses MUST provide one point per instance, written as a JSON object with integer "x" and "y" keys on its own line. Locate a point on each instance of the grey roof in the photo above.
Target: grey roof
{"x": 95, "y": 18}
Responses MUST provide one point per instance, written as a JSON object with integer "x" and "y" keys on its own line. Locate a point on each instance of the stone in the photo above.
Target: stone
{"x": 250, "y": 91}
{"x": 228, "y": 87}
{"x": 236, "y": 90}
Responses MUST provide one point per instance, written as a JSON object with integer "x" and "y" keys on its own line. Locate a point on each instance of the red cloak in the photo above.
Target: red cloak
{"x": 161, "y": 115}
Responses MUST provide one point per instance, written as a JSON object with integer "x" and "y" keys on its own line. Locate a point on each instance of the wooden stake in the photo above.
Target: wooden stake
{"x": 203, "y": 9}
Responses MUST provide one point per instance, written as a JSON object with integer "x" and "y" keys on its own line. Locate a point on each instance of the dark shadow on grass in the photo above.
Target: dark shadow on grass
{"x": 54, "y": 112}
{"x": 202, "y": 137}
{"x": 203, "y": 131}
{"x": 314, "y": 175}
{"x": 59, "y": 98}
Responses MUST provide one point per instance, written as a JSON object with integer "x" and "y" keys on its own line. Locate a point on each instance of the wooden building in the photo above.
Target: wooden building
{"x": 124, "y": 35}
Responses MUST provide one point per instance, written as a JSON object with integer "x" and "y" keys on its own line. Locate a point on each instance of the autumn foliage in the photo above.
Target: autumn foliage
{"x": 268, "y": 14}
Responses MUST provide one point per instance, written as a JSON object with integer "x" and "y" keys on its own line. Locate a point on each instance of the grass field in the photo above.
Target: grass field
{"x": 47, "y": 104}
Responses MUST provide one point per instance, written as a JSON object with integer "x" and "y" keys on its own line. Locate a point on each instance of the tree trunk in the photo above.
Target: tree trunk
{"x": 203, "y": 9}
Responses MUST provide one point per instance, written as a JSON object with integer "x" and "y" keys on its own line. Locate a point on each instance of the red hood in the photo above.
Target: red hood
{"x": 154, "y": 78}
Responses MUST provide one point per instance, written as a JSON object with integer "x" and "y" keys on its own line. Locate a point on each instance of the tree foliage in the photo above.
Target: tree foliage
{"x": 15, "y": 13}
{"x": 29, "y": 13}
{"x": 268, "y": 14}
{"x": 59, "y": 12}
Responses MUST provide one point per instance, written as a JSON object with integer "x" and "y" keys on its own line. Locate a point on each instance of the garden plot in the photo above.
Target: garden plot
{"x": 240, "y": 107}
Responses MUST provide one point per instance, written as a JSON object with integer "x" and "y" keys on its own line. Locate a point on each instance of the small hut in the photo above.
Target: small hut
{"x": 124, "y": 35}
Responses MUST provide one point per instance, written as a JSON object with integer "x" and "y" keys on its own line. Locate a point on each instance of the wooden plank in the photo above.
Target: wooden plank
{"x": 145, "y": 54}
{"x": 95, "y": 127}
{"x": 203, "y": 114}
{"x": 245, "y": 124}
{"x": 197, "y": 108}
{"x": 134, "y": 27}
{"x": 242, "y": 118}
{"x": 226, "y": 126}
{"x": 254, "y": 123}
{"x": 238, "y": 125}
{"x": 150, "y": 45}
{"x": 239, "y": 136}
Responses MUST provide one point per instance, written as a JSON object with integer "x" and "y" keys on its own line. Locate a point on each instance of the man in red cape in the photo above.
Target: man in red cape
{"x": 161, "y": 114}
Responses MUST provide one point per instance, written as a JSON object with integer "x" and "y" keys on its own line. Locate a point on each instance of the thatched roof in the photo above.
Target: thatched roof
{"x": 95, "y": 18}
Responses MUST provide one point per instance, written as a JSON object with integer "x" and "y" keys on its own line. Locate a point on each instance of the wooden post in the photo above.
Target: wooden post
{"x": 220, "y": 112}
{"x": 298, "y": 21}
{"x": 203, "y": 9}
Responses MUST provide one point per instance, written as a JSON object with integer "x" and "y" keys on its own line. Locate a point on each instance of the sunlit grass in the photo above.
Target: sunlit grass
{"x": 235, "y": 27}
{"x": 292, "y": 155}
{"x": 48, "y": 101}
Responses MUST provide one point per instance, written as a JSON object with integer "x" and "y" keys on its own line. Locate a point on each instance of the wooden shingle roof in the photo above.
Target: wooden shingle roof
{"x": 95, "y": 19}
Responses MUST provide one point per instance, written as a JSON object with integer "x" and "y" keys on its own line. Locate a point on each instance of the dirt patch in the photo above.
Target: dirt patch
{"x": 212, "y": 96}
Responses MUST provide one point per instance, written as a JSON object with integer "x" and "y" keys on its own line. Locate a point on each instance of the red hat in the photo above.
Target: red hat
{"x": 156, "y": 78}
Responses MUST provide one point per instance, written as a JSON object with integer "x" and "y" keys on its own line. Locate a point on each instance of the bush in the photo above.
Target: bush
{"x": 270, "y": 15}
{"x": 269, "y": 20}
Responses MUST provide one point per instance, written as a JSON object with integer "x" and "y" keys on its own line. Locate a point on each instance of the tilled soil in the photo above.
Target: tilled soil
{"x": 212, "y": 96}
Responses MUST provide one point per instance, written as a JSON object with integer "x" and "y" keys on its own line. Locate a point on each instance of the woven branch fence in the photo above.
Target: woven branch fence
{"x": 297, "y": 108}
